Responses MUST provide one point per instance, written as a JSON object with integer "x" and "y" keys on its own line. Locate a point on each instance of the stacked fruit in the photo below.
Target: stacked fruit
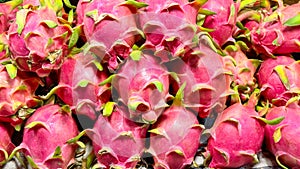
{"x": 148, "y": 83}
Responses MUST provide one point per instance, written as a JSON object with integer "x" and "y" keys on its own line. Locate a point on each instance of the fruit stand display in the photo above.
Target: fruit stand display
{"x": 149, "y": 84}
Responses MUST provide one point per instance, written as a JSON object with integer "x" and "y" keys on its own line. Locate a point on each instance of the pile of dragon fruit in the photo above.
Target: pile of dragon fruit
{"x": 149, "y": 84}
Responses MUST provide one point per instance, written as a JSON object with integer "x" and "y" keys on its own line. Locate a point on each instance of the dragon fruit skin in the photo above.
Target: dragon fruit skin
{"x": 49, "y": 127}
{"x": 84, "y": 99}
{"x": 236, "y": 137}
{"x": 6, "y": 146}
{"x": 172, "y": 144}
{"x": 223, "y": 21}
{"x": 143, "y": 86}
{"x": 117, "y": 140}
{"x": 274, "y": 37}
{"x": 81, "y": 5}
{"x": 41, "y": 27}
{"x": 274, "y": 87}
{"x": 282, "y": 139}
{"x": 18, "y": 94}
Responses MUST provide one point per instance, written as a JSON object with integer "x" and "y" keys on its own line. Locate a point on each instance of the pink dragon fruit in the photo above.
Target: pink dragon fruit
{"x": 236, "y": 137}
{"x": 114, "y": 18}
{"x": 279, "y": 79}
{"x": 167, "y": 34}
{"x": 143, "y": 86}
{"x": 6, "y": 146}
{"x": 241, "y": 68}
{"x": 4, "y": 8}
{"x": 279, "y": 35}
{"x": 242, "y": 71}
{"x": 7, "y": 14}
{"x": 17, "y": 94}
{"x": 223, "y": 21}
{"x": 168, "y": 26}
{"x": 174, "y": 137}
{"x": 37, "y": 41}
{"x": 95, "y": 14}
{"x": 282, "y": 139}
{"x": 118, "y": 142}
{"x": 78, "y": 85}
{"x": 45, "y": 135}
{"x": 203, "y": 72}
{"x": 180, "y": 8}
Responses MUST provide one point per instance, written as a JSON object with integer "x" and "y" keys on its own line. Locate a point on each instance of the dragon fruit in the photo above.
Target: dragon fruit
{"x": 223, "y": 21}
{"x": 143, "y": 86}
{"x": 167, "y": 34}
{"x": 81, "y": 90}
{"x": 241, "y": 70}
{"x": 278, "y": 35}
{"x": 203, "y": 72}
{"x": 168, "y": 27}
{"x": 45, "y": 135}
{"x": 118, "y": 141}
{"x": 174, "y": 137}
{"x": 7, "y": 14}
{"x": 6, "y": 146}
{"x": 18, "y": 94}
{"x": 236, "y": 137}
{"x": 179, "y": 8}
{"x": 282, "y": 139}
{"x": 114, "y": 18}
{"x": 95, "y": 14}
{"x": 4, "y": 8}
{"x": 278, "y": 79}
{"x": 37, "y": 41}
